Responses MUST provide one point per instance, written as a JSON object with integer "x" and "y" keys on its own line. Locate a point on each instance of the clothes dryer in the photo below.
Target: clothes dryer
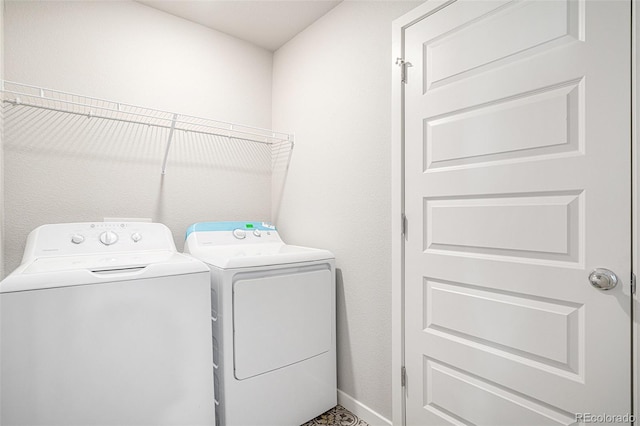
{"x": 105, "y": 323}
{"x": 273, "y": 321}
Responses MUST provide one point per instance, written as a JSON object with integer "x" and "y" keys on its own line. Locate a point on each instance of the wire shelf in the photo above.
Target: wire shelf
{"x": 54, "y": 100}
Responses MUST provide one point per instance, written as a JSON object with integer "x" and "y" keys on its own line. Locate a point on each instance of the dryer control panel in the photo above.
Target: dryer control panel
{"x": 234, "y": 233}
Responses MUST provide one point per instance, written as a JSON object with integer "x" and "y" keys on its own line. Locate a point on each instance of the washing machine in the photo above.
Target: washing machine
{"x": 105, "y": 324}
{"x": 273, "y": 322}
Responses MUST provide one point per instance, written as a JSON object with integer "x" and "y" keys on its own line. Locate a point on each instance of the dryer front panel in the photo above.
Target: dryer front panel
{"x": 280, "y": 317}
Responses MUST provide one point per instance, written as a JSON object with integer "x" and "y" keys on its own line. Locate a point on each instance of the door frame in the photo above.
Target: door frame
{"x": 635, "y": 199}
{"x": 397, "y": 202}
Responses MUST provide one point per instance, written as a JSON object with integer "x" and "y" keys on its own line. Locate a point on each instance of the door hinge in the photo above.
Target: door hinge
{"x": 403, "y": 69}
{"x": 403, "y": 376}
{"x": 633, "y": 283}
{"x": 404, "y": 225}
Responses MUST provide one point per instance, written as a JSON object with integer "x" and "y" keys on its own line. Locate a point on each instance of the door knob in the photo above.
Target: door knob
{"x": 603, "y": 279}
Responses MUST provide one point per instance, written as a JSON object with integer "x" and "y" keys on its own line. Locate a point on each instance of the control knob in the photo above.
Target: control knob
{"x": 239, "y": 233}
{"x": 77, "y": 238}
{"x": 108, "y": 237}
{"x": 135, "y": 237}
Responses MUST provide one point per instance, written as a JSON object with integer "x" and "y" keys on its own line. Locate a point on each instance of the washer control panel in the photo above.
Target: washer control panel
{"x": 98, "y": 237}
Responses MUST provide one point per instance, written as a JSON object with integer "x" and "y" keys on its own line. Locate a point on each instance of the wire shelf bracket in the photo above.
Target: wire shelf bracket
{"x": 166, "y": 151}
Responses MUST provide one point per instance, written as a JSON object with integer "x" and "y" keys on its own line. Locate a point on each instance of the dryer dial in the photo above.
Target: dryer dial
{"x": 239, "y": 233}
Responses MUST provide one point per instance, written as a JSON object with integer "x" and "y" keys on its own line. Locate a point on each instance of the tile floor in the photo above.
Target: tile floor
{"x": 337, "y": 416}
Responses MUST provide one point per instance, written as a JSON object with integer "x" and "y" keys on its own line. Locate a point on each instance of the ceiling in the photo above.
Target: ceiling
{"x": 265, "y": 23}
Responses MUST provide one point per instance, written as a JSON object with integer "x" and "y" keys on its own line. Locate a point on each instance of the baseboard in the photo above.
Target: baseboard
{"x": 361, "y": 410}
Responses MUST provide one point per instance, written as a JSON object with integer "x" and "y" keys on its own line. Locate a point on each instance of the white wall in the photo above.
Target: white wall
{"x": 332, "y": 85}
{"x": 62, "y": 168}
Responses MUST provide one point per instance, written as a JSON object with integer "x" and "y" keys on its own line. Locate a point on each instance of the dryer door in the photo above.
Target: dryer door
{"x": 280, "y": 317}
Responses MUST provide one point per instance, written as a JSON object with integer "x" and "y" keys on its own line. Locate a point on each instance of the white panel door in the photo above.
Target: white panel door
{"x": 517, "y": 180}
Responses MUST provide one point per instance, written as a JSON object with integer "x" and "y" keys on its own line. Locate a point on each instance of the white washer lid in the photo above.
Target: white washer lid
{"x": 85, "y": 270}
